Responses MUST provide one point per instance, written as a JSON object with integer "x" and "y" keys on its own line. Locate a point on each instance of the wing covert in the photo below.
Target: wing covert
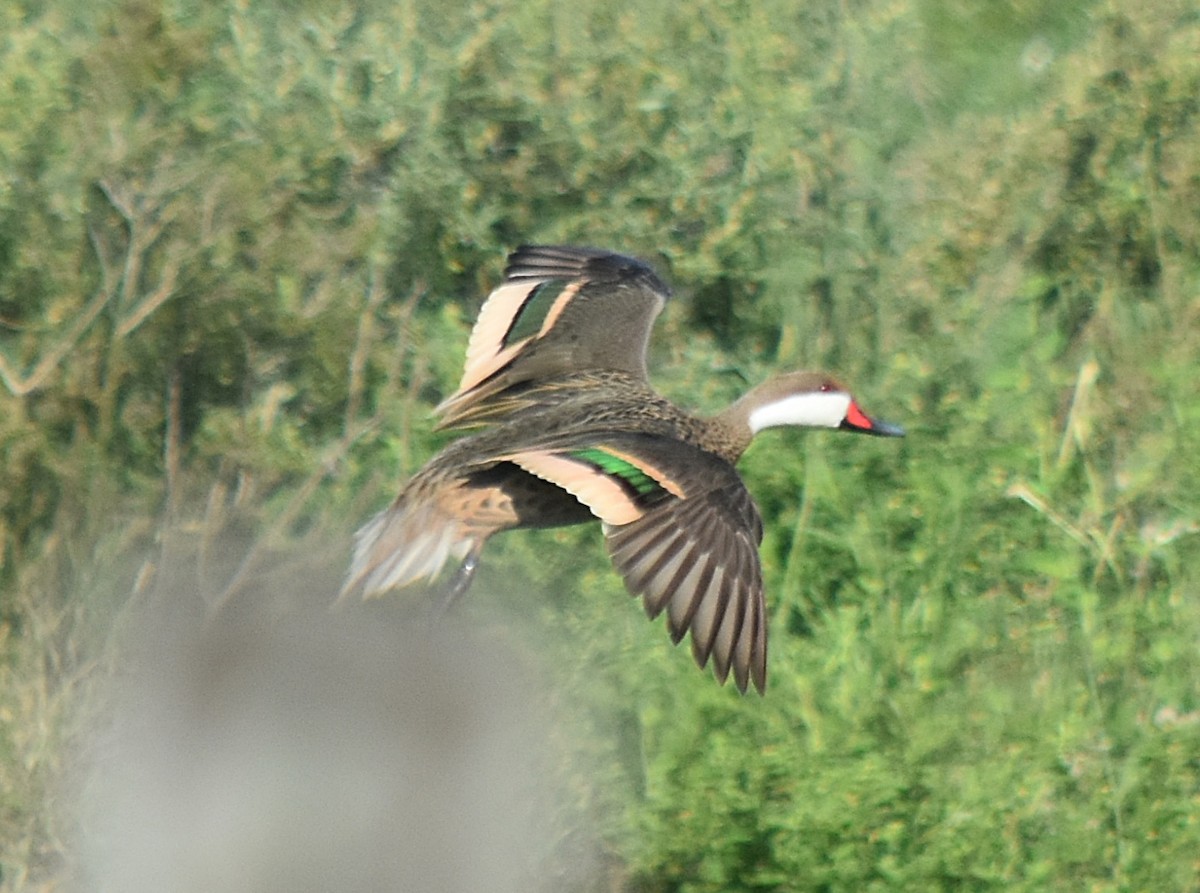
{"x": 560, "y": 309}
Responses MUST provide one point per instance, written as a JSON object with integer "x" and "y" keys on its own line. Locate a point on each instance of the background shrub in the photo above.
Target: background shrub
{"x": 240, "y": 249}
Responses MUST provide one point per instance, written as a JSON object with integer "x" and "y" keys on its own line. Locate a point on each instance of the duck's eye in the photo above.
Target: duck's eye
{"x": 826, "y": 387}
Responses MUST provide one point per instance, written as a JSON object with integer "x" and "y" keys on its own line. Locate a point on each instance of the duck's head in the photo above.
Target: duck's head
{"x": 810, "y": 400}
{"x": 802, "y": 399}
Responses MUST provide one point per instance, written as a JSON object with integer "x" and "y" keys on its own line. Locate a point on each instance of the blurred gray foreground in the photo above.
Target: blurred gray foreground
{"x": 323, "y": 751}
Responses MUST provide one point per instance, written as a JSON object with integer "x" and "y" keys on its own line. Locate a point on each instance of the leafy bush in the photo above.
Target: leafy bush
{"x": 240, "y": 248}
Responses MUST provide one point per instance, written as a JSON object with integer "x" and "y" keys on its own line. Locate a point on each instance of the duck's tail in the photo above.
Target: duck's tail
{"x": 403, "y": 544}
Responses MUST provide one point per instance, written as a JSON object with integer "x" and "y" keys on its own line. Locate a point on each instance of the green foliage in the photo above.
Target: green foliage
{"x": 240, "y": 248}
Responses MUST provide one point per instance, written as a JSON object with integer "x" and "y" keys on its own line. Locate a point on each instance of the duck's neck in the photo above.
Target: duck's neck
{"x": 731, "y": 430}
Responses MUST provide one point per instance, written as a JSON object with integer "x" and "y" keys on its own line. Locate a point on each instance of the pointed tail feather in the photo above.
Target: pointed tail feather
{"x": 402, "y": 545}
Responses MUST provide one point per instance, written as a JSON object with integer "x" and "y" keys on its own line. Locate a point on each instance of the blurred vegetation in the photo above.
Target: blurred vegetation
{"x": 241, "y": 246}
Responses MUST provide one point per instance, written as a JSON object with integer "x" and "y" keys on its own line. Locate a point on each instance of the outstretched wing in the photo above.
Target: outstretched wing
{"x": 697, "y": 559}
{"x": 683, "y": 532}
{"x": 560, "y": 309}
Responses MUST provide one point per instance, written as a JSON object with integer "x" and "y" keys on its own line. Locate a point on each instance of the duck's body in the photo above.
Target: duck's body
{"x": 573, "y": 442}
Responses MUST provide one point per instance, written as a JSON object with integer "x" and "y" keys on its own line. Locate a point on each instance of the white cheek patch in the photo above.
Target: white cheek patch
{"x": 814, "y": 410}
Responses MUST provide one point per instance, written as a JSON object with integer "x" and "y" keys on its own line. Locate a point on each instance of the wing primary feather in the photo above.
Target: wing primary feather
{"x": 743, "y": 650}
{"x": 657, "y": 595}
{"x": 720, "y": 641}
{"x": 722, "y": 613}
{"x": 731, "y": 621}
{"x": 758, "y": 663}
{"x": 684, "y": 602}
